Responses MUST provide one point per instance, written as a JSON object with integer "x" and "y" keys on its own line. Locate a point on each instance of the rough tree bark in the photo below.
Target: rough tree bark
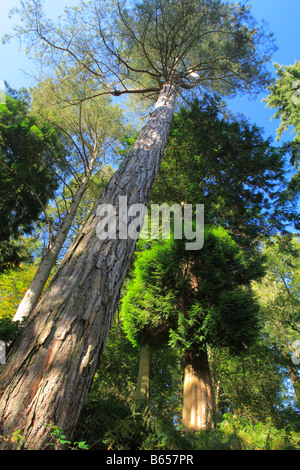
{"x": 198, "y": 395}
{"x": 142, "y": 393}
{"x": 51, "y": 365}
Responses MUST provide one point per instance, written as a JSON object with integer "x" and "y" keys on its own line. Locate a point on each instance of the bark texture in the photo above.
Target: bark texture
{"x": 142, "y": 393}
{"x": 51, "y": 365}
{"x": 198, "y": 395}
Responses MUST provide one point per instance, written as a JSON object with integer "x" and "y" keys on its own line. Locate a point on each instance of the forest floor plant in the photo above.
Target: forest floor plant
{"x": 58, "y": 441}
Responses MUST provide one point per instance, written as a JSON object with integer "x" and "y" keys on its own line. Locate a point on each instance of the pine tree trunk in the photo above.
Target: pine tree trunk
{"x": 46, "y": 265}
{"x": 51, "y": 365}
{"x": 198, "y": 395}
{"x": 142, "y": 393}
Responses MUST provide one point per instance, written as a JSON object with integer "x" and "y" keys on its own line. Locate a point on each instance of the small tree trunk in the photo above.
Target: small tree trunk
{"x": 142, "y": 393}
{"x": 295, "y": 379}
{"x": 46, "y": 265}
{"x": 293, "y": 372}
{"x": 51, "y": 365}
{"x": 198, "y": 396}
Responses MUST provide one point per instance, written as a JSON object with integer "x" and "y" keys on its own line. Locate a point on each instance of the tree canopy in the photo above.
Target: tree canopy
{"x": 134, "y": 47}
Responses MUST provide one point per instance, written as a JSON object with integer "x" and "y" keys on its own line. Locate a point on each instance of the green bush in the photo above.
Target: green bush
{"x": 239, "y": 433}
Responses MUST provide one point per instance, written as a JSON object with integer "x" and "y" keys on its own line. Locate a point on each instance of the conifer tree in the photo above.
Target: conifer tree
{"x": 31, "y": 153}
{"x": 191, "y": 300}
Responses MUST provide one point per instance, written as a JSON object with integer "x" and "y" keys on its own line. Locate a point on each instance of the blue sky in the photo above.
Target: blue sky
{"x": 281, "y": 15}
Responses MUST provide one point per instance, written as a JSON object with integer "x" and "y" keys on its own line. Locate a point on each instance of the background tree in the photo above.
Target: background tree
{"x": 200, "y": 298}
{"x": 251, "y": 385}
{"x": 279, "y": 296}
{"x": 121, "y": 47}
{"x": 284, "y": 96}
{"x": 262, "y": 386}
{"x": 31, "y": 151}
{"x": 225, "y": 163}
{"x": 93, "y": 128}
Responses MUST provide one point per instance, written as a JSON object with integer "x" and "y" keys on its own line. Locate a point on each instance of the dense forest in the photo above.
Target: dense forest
{"x": 117, "y": 330}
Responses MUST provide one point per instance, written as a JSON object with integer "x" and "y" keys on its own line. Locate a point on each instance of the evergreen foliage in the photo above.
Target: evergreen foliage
{"x": 30, "y": 151}
{"x": 284, "y": 98}
{"x": 224, "y": 162}
{"x": 202, "y": 298}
